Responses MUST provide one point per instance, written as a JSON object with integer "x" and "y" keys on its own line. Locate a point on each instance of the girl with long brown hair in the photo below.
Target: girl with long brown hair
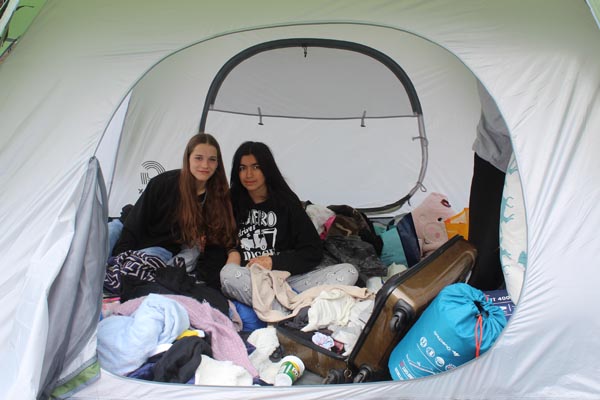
{"x": 204, "y": 210}
{"x": 184, "y": 209}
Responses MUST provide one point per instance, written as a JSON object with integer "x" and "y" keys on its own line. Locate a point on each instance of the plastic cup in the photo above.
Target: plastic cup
{"x": 290, "y": 369}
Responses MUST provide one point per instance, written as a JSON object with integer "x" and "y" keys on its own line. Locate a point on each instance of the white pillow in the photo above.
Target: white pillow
{"x": 513, "y": 232}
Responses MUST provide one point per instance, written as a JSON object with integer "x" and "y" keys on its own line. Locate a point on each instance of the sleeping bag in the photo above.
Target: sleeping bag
{"x": 458, "y": 325}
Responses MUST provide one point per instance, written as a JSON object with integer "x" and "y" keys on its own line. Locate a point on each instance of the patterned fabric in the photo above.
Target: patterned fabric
{"x": 132, "y": 263}
{"x": 513, "y": 232}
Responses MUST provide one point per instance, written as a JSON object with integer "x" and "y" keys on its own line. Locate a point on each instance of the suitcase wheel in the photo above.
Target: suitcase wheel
{"x": 364, "y": 374}
{"x": 277, "y": 354}
{"x": 402, "y": 316}
{"x": 398, "y": 320}
{"x": 335, "y": 376}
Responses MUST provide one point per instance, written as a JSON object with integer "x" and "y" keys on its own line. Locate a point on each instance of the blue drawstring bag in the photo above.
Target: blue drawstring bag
{"x": 459, "y": 325}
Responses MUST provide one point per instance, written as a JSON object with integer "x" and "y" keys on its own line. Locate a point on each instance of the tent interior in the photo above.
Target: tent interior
{"x": 389, "y": 111}
{"x": 348, "y": 123}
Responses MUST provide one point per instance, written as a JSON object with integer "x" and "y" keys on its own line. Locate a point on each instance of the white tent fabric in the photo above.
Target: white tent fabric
{"x": 79, "y": 61}
{"x": 384, "y": 167}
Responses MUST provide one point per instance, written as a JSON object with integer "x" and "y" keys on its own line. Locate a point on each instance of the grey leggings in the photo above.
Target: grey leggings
{"x": 236, "y": 282}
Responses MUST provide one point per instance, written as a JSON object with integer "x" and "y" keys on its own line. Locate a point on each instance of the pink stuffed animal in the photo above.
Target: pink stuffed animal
{"x": 429, "y": 219}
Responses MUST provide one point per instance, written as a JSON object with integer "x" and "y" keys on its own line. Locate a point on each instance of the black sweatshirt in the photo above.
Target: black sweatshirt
{"x": 282, "y": 230}
{"x": 152, "y": 220}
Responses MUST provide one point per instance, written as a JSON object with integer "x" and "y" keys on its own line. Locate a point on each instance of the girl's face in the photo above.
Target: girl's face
{"x": 251, "y": 176}
{"x": 203, "y": 162}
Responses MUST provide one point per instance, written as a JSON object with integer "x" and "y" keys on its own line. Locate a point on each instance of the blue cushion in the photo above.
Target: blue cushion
{"x": 250, "y": 320}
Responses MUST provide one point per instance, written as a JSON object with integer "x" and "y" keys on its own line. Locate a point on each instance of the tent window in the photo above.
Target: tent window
{"x": 313, "y": 79}
{"x": 319, "y": 80}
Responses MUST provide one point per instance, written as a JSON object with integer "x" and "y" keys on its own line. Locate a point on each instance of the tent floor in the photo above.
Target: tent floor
{"x": 309, "y": 378}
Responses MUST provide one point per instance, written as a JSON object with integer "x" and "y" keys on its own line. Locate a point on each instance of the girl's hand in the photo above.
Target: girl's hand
{"x": 234, "y": 257}
{"x": 264, "y": 261}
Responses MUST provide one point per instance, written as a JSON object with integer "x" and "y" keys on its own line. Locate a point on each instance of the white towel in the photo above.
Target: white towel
{"x": 221, "y": 373}
{"x": 265, "y": 342}
{"x": 330, "y": 307}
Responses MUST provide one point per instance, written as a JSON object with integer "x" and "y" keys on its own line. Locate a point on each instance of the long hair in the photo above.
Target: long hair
{"x": 277, "y": 187}
{"x": 214, "y": 218}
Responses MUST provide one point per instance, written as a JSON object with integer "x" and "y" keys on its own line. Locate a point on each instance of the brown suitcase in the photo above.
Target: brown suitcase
{"x": 397, "y": 306}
